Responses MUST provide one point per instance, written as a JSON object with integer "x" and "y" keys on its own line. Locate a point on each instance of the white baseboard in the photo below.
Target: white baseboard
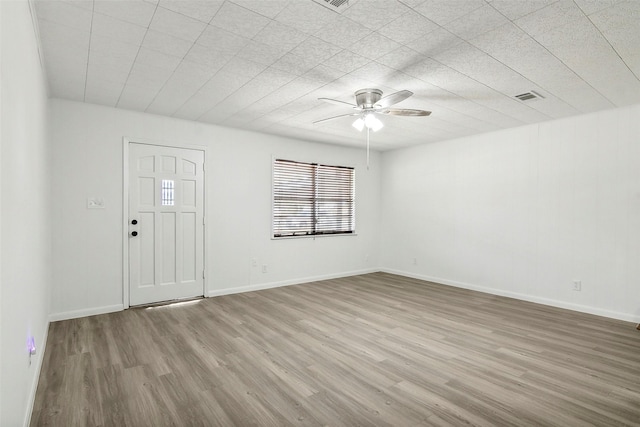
{"x": 525, "y": 297}
{"x": 36, "y": 376}
{"x": 628, "y": 317}
{"x": 212, "y": 293}
{"x": 85, "y": 312}
{"x": 270, "y": 285}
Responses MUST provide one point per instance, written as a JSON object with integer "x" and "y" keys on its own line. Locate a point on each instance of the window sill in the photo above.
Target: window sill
{"x": 314, "y": 236}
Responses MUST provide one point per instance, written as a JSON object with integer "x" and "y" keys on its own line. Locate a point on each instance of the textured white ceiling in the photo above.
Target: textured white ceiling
{"x": 262, "y": 64}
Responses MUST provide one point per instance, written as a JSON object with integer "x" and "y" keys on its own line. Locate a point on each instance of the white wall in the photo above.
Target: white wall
{"x": 523, "y": 212}
{"x": 88, "y": 161}
{"x": 25, "y": 275}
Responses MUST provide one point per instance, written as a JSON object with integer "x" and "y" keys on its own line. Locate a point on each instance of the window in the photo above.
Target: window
{"x": 311, "y": 199}
{"x": 168, "y": 187}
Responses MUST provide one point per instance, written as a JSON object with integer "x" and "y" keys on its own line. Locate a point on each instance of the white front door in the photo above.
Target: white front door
{"x": 166, "y": 223}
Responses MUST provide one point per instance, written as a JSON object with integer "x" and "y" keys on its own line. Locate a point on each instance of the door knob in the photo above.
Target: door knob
{"x": 134, "y": 222}
{"x": 134, "y": 233}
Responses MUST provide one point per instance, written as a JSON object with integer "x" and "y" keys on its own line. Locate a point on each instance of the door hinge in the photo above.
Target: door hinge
{"x": 203, "y": 274}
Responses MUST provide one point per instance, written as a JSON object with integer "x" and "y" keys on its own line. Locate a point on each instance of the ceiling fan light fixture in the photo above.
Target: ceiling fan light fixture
{"x": 358, "y": 124}
{"x": 369, "y": 121}
{"x": 373, "y": 123}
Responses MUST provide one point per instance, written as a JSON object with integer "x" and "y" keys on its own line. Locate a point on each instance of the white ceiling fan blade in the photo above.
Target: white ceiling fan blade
{"x": 335, "y": 117}
{"x": 404, "y": 112}
{"x": 338, "y": 102}
{"x": 394, "y": 98}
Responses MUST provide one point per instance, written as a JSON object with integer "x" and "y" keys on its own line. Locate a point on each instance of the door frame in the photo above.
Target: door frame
{"x": 126, "y": 141}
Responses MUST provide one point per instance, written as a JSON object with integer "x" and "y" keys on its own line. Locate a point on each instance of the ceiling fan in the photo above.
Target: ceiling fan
{"x": 369, "y": 103}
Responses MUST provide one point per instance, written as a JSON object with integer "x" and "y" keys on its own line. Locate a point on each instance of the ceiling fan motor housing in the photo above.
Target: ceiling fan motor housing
{"x": 367, "y": 98}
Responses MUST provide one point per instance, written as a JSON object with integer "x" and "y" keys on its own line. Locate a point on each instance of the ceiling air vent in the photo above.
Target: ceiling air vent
{"x": 335, "y": 5}
{"x": 527, "y": 96}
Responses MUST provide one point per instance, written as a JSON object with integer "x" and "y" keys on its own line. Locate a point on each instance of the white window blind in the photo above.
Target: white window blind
{"x": 311, "y": 199}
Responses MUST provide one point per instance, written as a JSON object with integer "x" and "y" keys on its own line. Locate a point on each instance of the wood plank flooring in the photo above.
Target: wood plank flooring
{"x": 370, "y": 350}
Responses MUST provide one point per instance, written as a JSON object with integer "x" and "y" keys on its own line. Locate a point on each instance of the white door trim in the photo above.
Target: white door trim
{"x": 125, "y": 209}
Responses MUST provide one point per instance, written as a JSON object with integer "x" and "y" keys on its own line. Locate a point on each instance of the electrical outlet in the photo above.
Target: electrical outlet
{"x": 577, "y": 285}
{"x": 264, "y": 268}
{"x": 366, "y": 259}
{"x": 31, "y": 347}
{"x": 415, "y": 261}
{"x": 254, "y": 262}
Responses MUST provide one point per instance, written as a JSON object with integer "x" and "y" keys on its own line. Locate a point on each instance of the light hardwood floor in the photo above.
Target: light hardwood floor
{"x": 370, "y": 350}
